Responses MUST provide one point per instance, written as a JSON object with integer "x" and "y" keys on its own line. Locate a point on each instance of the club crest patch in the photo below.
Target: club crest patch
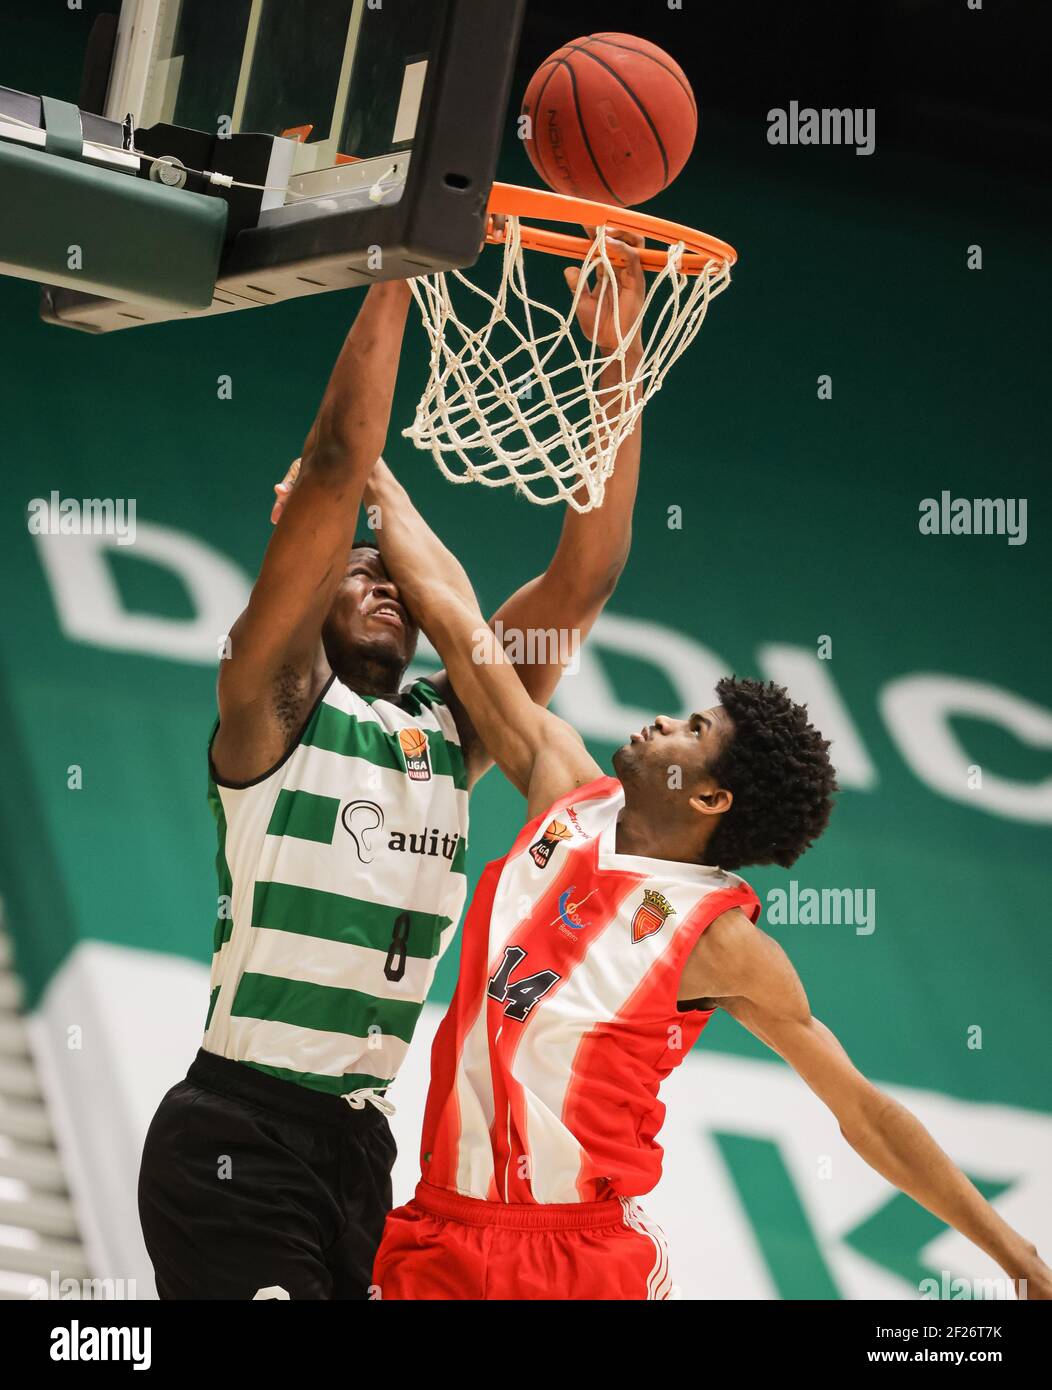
{"x": 554, "y": 832}
{"x": 651, "y": 914}
{"x": 417, "y": 754}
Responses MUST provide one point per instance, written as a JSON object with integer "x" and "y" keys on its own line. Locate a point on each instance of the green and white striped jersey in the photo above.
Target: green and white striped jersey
{"x": 341, "y": 881}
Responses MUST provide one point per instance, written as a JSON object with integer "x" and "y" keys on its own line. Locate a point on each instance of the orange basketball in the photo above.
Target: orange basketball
{"x": 413, "y": 742}
{"x": 612, "y": 119}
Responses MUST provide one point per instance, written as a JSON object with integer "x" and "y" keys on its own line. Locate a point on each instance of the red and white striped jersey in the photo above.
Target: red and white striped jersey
{"x": 545, "y": 1071}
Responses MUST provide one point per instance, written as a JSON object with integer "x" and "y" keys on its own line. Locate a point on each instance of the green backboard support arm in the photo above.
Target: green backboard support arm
{"x": 68, "y": 222}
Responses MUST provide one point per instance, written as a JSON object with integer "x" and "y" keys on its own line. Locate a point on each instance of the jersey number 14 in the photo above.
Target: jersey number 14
{"x": 519, "y": 996}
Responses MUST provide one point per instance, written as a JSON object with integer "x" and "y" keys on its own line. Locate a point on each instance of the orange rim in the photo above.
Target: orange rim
{"x": 511, "y": 200}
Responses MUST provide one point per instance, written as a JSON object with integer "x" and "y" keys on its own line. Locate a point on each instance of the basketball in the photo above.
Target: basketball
{"x": 612, "y": 119}
{"x": 413, "y": 742}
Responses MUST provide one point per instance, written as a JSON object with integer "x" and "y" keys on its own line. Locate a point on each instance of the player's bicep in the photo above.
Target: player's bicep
{"x": 501, "y": 714}
{"x": 561, "y": 765}
{"x": 541, "y": 755}
{"x": 547, "y": 760}
{"x": 302, "y": 568}
{"x": 560, "y": 611}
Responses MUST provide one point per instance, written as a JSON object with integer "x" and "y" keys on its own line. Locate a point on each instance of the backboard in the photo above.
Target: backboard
{"x": 374, "y": 124}
{"x": 343, "y": 77}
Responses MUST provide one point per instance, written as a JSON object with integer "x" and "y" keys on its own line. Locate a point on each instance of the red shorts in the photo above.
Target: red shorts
{"x": 442, "y": 1245}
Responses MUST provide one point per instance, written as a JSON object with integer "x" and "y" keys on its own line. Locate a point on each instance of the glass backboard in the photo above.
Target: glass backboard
{"x": 358, "y": 138}
{"x": 345, "y": 78}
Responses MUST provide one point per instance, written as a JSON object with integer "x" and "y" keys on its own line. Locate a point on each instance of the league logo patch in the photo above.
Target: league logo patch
{"x": 555, "y": 831}
{"x": 651, "y": 914}
{"x": 416, "y": 753}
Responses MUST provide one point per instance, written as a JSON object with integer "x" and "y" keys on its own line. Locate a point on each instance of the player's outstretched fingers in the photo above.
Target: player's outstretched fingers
{"x": 496, "y": 226}
{"x": 630, "y": 244}
{"x": 629, "y": 237}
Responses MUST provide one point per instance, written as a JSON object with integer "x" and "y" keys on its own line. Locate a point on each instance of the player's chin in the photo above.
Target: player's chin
{"x": 392, "y": 642}
{"x": 625, "y": 759}
{"x": 375, "y": 631}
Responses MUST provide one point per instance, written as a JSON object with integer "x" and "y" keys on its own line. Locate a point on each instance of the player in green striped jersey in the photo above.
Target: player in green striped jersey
{"x": 341, "y": 805}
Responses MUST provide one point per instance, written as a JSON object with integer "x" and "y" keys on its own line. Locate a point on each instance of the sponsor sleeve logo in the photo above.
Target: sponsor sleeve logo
{"x": 554, "y": 832}
{"x": 651, "y": 914}
{"x": 569, "y": 911}
{"x": 416, "y": 753}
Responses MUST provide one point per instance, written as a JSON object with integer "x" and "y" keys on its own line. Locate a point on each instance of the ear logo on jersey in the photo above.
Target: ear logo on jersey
{"x": 651, "y": 914}
{"x": 359, "y": 819}
{"x": 416, "y": 753}
{"x": 542, "y": 851}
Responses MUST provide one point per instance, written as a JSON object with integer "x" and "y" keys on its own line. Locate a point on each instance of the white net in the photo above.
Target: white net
{"x": 524, "y": 398}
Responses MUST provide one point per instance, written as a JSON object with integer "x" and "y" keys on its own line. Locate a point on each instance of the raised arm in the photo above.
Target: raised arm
{"x": 539, "y": 753}
{"x": 593, "y": 546}
{"x": 272, "y": 673}
{"x": 750, "y": 976}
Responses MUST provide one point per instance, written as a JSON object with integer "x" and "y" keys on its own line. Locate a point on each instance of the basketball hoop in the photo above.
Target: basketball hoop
{"x": 523, "y": 398}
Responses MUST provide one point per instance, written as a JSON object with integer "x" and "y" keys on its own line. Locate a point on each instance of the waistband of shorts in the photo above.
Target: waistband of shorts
{"x": 518, "y": 1216}
{"x": 245, "y": 1083}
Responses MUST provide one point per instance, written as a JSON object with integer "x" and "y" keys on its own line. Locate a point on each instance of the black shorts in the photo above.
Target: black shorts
{"x": 255, "y": 1187}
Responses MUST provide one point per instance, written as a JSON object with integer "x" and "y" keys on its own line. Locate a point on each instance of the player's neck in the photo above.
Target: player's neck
{"x": 374, "y": 679}
{"x": 641, "y": 833}
{"x": 362, "y": 673}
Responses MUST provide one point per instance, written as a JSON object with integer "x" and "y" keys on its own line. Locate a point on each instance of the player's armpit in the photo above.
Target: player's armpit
{"x": 731, "y": 956}
{"x": 554, "y": 759}
{"x": 269, "y": 677}
{"x": 477, "y": 760}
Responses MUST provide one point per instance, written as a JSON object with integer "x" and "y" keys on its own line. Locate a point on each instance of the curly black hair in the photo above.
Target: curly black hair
{"x": 777, "y": 765}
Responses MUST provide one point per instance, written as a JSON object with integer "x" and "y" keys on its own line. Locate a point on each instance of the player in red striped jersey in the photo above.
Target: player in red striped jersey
{"x": 594, "y": 953}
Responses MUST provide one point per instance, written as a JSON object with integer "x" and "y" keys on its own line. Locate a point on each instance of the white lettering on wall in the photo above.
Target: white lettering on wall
{"x": 918, "y": 710}
{"x": 88, "y": 601}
